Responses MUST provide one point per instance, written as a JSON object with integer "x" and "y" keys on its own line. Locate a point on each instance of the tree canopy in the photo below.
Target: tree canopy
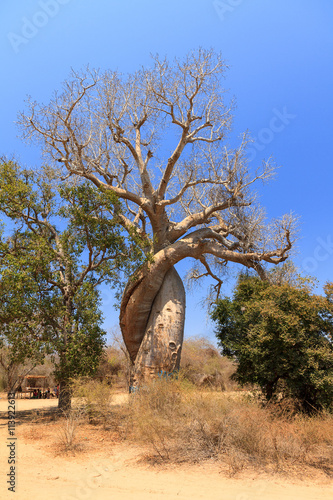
{"x": 281, "y": 337}
{"x": 65, "y": 243}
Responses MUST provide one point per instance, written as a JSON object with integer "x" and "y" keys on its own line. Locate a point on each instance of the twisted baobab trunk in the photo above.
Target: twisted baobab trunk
{"x": 208, "y": 187}
{"x": 152, "y": 321}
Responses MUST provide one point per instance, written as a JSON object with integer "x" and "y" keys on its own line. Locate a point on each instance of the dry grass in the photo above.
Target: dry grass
{"x": 91, "y": 401}
{"x": 68, "y": 427}
{"x": 178, "y": 423}
{"x": 181, "y": 424}
{"x": 95, "y": 398}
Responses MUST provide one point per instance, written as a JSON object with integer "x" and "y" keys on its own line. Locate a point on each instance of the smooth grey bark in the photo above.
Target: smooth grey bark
{"x": 161, "y": 346}
{"x": 153, "y": 306}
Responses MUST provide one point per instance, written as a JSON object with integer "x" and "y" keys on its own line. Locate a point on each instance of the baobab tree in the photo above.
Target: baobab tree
{"x": 157, "y": 139}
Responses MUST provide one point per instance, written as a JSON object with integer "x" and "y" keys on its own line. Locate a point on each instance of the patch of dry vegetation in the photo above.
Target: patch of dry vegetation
{"x": 93, "y": 399}
{"x": 181, "y": 424}
{"x": 69, "y": 425}
{"x": 190, "y": 420}
{"x": 114, "y": 367}
{"x": 203, "y": 365}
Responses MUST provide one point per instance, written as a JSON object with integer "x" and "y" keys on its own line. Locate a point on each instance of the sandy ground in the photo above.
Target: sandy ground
{"x": 111, "y": 470}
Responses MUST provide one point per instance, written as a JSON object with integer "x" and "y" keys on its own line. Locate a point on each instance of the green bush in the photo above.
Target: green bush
{"x": 280, "y": 336}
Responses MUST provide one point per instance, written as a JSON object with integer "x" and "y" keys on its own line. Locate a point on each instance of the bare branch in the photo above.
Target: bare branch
{"x": 108, "y": 128}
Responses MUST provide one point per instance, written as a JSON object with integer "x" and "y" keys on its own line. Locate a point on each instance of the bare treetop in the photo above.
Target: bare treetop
{"x": 156, "y": 138}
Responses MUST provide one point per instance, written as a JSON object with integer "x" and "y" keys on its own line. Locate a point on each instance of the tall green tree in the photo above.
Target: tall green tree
{"x": 66, "y": 242}
{"x": 22, "y": 330}
{"x": 281, "y": 337}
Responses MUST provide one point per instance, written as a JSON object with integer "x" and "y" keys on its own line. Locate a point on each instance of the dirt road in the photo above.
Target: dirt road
{"x": 112, "y": 471}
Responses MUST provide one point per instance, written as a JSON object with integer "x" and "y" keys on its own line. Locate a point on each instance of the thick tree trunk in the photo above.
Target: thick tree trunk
{"x": 160, "y": 348}
{"x": 137, "y": 302}
{"x": 65, "y": 396}
{"x": 141, "y": 291}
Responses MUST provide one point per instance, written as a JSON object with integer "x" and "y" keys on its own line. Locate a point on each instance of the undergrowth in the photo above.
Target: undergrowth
{"x": 181, "y": 424}
{"x": 178, "y": 423}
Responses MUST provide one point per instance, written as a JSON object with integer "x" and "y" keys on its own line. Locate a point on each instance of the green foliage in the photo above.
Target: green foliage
{"x": 281, "y": 336}
{"x": 23, "y": 304}
{"x": 65, "y": 242}
{"x": 80, "y": 347}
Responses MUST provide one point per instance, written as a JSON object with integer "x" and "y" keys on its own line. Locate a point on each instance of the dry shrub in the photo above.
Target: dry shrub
{"x": 3, "y": 383}
{"x": 203, "y": 365}
{"x": 154, "y": 413}
{"x": 95, "y": 397}
{"x": 90, "y": 400}
{"x": 316, "y": 439}
{"x": 114, "y": 367}
{"x": 115, "y": 364}
{"x": 183, "y": 424}
{"x": 247, "y": 431}
{"x": 73, "y": 418}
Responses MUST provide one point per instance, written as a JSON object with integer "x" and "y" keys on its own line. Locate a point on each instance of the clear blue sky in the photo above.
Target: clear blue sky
{"x": 280, "y": 54}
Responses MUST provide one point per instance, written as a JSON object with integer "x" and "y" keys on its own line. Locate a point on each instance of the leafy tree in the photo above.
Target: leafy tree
{"x": 157, "y": 139}
{"x": 281, "y": 336}
{"x": 22, "y": 331}
{"x": 66, "y": 242}
{"x": 14, "y": 368}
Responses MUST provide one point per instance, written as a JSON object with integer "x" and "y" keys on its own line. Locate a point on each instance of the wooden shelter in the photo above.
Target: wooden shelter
{"x": 31, "y": 383}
